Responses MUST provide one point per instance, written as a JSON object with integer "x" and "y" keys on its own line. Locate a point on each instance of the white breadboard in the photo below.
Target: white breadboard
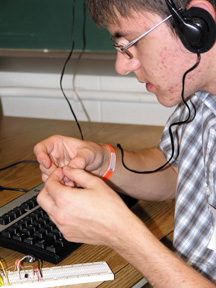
{"x": 60, "y": 276}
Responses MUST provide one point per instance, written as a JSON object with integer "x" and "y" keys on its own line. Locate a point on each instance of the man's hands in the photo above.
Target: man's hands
{"x": 59, "y": 151}
{"x": 93, "y": 215}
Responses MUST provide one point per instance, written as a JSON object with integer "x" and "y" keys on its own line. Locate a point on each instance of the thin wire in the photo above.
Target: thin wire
{"x": 40, "y": 264}
{"x": 64, "y": 67}
{"x": 78, "y": 61}
{"x": 188, "y": 120}
{"x": 2, "y": 188}
{"x": 5, "y": 273}
{"x": 17, "y": 163}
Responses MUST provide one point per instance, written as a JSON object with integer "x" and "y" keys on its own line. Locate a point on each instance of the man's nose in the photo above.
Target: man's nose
{"x": 124, "y": 65}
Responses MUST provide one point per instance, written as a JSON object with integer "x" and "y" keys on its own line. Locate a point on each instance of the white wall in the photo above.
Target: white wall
{"x": 29, "y": 87}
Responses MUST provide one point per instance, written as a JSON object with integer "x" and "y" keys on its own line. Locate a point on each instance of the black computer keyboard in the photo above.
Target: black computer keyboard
{"x": 25, "y": 227}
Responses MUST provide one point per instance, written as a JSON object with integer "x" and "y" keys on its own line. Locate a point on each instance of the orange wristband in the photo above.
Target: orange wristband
{"x": 112, "y": 163}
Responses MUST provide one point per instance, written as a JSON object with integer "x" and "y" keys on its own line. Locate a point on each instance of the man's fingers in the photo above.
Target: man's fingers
{"x": 80, "y": 177}
{"x": 53, "y": 186}
{"x": 78, "y": 162}
{"x": 42, "y": 156}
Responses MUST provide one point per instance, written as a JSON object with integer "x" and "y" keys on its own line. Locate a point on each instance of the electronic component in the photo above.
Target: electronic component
{"x": 59, "y": 275}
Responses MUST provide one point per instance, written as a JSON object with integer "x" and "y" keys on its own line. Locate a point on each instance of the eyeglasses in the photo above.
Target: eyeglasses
{"x": 123, "y": 48}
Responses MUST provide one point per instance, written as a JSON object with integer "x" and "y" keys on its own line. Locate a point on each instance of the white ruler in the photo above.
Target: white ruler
{"x": 60, "y": 276}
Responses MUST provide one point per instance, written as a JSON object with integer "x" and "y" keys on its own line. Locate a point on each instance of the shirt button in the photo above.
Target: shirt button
{"x": 207, "y": 191}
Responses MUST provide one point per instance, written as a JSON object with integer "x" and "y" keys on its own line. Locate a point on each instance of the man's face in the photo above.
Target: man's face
{"x": 159, "y": 59}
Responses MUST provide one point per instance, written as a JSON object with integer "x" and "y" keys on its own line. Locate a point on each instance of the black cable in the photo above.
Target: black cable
{"x": 84, "y": 27}
{"x": 17, "y": 163}
{"x": 64, "y": 67}
{"x": 2, "y": 188}
{"x": 11, "y": 165}
{"x": 188, "y": 120}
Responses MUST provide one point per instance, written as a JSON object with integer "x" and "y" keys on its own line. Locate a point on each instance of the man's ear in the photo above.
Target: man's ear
{"x": 203, "y": 4}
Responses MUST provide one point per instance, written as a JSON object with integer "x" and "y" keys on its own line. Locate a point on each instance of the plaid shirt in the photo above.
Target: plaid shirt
{"x": 195, "y": 154}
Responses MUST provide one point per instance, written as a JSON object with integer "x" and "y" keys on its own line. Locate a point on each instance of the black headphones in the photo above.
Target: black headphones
{"x": 195, "y": 27}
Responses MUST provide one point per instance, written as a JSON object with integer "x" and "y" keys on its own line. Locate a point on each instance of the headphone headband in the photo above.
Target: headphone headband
{"x": 196, "y": 27}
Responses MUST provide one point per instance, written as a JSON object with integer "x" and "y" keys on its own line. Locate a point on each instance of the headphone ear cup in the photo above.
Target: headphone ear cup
{"x": 204, "y": 24}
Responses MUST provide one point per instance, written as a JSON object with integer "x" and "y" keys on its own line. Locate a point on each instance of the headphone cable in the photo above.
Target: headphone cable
{"x": 64, "y": 67}
{"x": 188, "y": 120}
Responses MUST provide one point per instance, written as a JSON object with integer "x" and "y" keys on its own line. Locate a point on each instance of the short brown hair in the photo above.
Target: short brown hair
{"x": 102, "y": 11}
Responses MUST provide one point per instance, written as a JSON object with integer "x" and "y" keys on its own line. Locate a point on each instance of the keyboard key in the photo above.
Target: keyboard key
{"x": 4, "y": 220}
{"x": 26, "y": 231}
{"x": 62, "y": 242}
{"x": 7, "y": 218}
{"x": 19, "y": 236}
{"x": 36, "y": 225}
{"x": 22, "y": 224}
{"x": 28, "y": 220}
{"x": 18, "y": 211}
{"x": 31, "y": 240}
{"x": 55, "y": 248}
{"x": 41, "y": 243}
{"x": 31, "y": 228}
{"x": 40, "y": 233}
{"x": 8, "y": 233}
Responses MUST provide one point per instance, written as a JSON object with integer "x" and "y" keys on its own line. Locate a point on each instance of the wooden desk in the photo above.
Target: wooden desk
{"x": 17, "y": 139}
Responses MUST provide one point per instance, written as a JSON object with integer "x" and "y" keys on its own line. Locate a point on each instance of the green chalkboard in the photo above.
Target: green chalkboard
{"x": 47, "y": 24}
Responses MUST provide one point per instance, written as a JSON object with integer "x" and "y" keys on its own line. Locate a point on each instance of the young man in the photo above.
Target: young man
{"x": 159, "y": 58}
